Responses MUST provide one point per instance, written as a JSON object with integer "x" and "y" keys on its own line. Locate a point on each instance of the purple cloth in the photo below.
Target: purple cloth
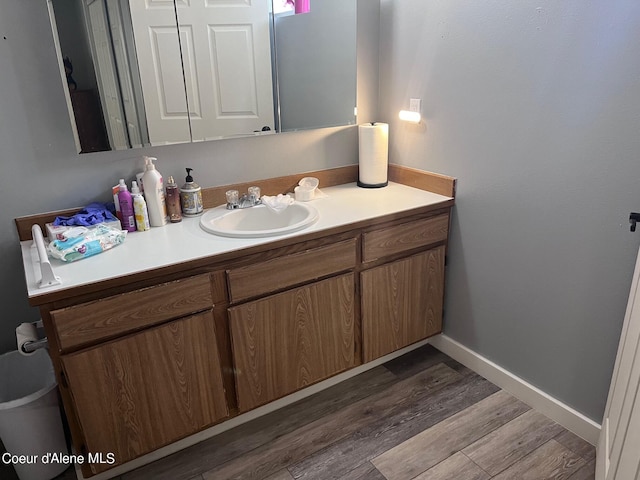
{"x": 90, "y": 215}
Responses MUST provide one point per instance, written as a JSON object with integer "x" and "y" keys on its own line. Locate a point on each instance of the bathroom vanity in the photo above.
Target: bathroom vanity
{"x": 177, "y": 329}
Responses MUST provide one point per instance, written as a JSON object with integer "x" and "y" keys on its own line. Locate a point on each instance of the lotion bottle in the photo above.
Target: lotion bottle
{"x": 191, "y": 197}
{"x": 154, "y": 194}
{"x": 126, "y": 207}
{"x": 139, "y": 208}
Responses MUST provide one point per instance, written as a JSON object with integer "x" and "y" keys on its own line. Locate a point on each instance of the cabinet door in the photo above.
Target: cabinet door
{"x": 136, "y": 394}
{"x": 402, "y": 302}
{"x": 288, "y": 341}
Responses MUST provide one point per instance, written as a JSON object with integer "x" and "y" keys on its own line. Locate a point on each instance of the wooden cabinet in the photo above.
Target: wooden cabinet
{"x": 145, "y": 357}
{"x": 402, "y": 299}
{"x": 288, "y": 341}
{"x": 285, "y": 342}
{"x": 402, "y": 302}
{"x": 142, "y": 365}
{"x": 141, "y": 392}
{"x": 141, "y": 369}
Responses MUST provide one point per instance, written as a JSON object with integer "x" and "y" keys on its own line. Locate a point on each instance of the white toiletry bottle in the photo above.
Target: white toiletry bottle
{"x": 154, "y": 193}
{"x": 139, "y": 208}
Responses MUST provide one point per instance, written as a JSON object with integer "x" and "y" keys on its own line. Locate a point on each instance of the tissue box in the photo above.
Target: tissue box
{"x": 54, "y": 230}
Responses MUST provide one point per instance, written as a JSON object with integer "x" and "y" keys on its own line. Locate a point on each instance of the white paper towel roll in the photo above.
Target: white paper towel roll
{"x": 26, "y": 332}
{"x": 373, "y": 146}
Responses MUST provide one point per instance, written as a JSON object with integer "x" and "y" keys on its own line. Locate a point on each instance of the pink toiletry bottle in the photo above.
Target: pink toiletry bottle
{"x": 126, "y": 207}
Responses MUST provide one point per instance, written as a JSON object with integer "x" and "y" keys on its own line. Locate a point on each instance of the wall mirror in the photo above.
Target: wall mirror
{"x": 159, "y": 72}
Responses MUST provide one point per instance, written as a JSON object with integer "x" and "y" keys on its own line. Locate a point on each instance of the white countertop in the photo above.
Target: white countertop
{"x": 181, "y": 242}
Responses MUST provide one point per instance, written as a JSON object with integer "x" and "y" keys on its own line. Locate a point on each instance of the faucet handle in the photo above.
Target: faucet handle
{"x": 233, "y": 198}
{"x": 254, "y": 194}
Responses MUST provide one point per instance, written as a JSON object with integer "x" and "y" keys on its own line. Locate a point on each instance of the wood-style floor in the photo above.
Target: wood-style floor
{"x": 421, "y": 416}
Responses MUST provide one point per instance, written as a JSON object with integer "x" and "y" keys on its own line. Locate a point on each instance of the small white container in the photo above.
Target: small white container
{"x": 306, "y": 189}
{"x": 304, "y": 194}
{"x": 310, "y": 182}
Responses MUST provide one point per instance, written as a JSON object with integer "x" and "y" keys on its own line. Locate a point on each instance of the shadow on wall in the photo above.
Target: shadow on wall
{"x": 458, "y": 302}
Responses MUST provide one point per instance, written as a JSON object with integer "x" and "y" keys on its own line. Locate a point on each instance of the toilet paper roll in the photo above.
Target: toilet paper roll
{"x": 26, "y": 332}
{"x": 373, "y": 147}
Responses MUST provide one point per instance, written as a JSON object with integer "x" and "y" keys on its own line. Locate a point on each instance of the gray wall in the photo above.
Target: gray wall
{"x": 42, "y": 172}
{"x": 316, "y": 65}
{"x": 535, "y": 107}
{"x": 367, "y": 60}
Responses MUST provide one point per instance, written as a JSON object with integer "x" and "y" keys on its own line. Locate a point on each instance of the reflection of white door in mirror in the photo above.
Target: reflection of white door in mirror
{"x": 106, "y": 73}
{"x": 230, "y": 91}
{"x": 158, "y": 51}
{"x": 135, "y": 121}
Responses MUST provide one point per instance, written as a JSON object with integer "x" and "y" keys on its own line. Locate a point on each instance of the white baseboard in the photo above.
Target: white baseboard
{"x": 551, "y": 407}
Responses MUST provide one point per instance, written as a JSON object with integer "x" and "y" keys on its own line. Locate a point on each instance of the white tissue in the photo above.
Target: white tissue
{"x": 26, "y": 332}
{"x": 278, "y": 203}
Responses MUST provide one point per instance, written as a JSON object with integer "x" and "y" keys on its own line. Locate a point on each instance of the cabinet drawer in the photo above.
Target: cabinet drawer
{"x": 108, "y": 317}
{"x": 282, "y": 272}
{"x": 403, "y": 237}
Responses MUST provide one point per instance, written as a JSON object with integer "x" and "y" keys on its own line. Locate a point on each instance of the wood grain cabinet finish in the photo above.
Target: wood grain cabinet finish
{"x": 289, "y": 270}
{"x": 291, "y": 340}
{"x": 395, "y": 239}
{"x": 143, "y": 369}
{"x": 91, "y": 322}
{"x": 141, "y": 392}
{"x": 402, "y": 302}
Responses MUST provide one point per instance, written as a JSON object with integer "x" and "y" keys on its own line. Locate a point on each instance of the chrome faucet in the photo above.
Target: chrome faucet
{"x": 246, "y": 200}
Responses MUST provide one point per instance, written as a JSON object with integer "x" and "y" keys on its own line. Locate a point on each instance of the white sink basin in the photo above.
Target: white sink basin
{"x": 258, "y": 221}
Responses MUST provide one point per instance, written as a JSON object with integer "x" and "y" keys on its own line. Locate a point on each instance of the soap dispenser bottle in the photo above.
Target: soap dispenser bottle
{"x": 191, "y": 197}
{"x": 154, "y": 194}
{"x": 126, "y": 207}
{"x": 139, "y": 208}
